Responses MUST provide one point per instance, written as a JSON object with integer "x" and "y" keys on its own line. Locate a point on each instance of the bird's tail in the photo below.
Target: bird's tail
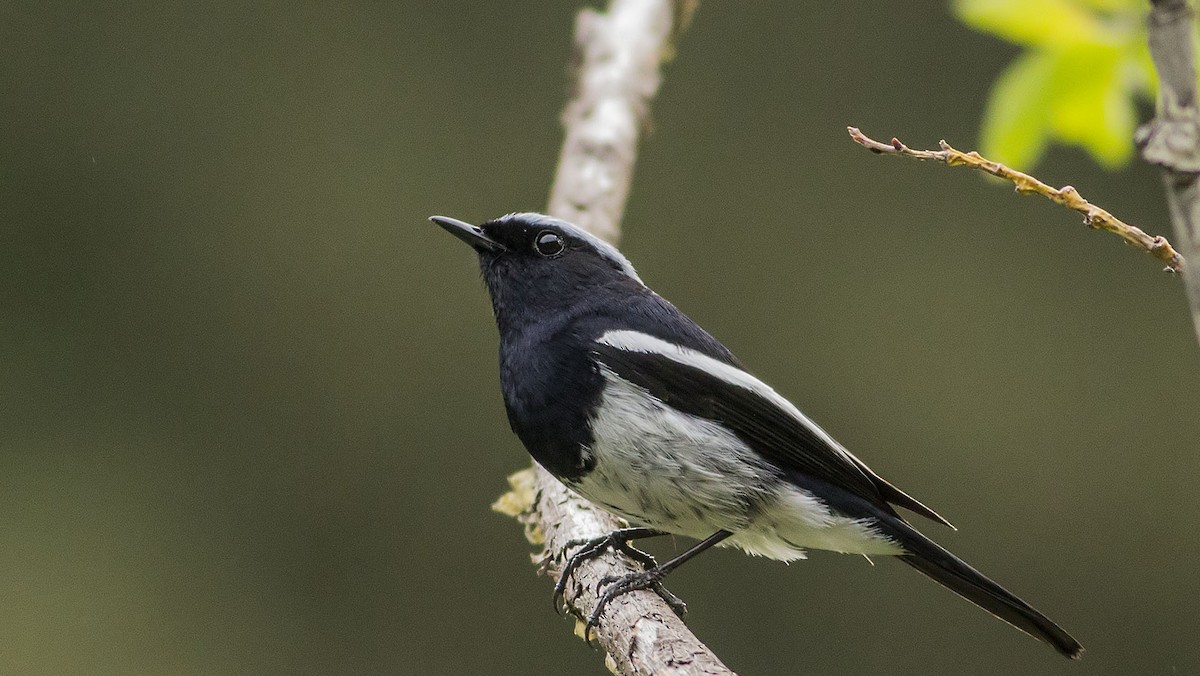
{"x": 956, "y": 575}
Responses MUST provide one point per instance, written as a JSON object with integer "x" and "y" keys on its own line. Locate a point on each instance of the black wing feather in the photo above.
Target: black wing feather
{"x": 771, "y": 431}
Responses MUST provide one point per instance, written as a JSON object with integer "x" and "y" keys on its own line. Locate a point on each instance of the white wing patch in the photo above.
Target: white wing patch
{"x": 635, "y": 341}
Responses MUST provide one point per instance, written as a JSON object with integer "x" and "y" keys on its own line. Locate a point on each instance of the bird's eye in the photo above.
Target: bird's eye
{"x": 549, "y": 244}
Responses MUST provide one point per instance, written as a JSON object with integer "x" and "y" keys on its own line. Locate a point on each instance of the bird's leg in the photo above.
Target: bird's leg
{"x": 617, "y": 539}
{"x": 648, "y": 579}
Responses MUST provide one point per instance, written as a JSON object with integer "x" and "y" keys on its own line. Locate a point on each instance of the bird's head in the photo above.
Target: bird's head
{"x": 535, "y": 265}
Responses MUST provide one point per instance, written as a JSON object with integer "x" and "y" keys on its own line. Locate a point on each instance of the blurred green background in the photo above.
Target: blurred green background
{"x": 249, "y": 417}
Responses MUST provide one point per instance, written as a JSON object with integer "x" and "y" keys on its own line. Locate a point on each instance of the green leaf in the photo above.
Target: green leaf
{"x": 1091, "y": 105}
{"x": 1116, "y": 6}
{"x": 1048, "y": 23}
{"x": 1015, "y": 127}
{"x": 1078, "y": 82}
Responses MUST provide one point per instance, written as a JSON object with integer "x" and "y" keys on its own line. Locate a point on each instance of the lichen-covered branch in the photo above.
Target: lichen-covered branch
{"x": 621, "y": 55}
{"x": 1093, "y": 216}
{"x": 1172, "y": 139}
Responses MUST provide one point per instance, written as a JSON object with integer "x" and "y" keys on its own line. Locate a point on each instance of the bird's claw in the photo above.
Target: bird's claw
{"x": 590, "y": 548}
{"x": 620, "y": 585}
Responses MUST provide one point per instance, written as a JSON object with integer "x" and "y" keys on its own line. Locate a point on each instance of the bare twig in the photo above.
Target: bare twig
{"x": 1172, "y": 139}
{"x": 622, "y": 51}
{"x": 1093, "y": 216}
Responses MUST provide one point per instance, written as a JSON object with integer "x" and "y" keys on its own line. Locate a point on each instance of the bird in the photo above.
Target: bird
{"x": 633, "y": 406}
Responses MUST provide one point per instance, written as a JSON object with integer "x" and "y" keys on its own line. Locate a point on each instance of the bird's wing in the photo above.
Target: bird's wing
{"x": 702, "y": 386}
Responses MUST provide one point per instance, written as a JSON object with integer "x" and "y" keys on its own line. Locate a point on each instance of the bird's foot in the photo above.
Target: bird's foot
{"x": 623, "y": 584}
{"x": 618, "y": 540}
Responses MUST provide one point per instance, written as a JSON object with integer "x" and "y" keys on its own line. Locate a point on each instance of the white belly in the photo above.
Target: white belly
{"x": 679, "y": 473}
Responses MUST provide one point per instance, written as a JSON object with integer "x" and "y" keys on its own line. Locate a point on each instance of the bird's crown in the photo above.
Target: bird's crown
{"x": 541, "y": 236}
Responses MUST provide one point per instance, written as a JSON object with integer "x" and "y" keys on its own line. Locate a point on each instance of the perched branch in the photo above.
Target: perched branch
{"x": 1172, "y": 139}
{"x": 622, "y": 52}
{"x": 1093, "y": 216}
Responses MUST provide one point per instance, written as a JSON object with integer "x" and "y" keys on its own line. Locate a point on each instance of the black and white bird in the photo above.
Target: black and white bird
{"x": 636, "y": 408}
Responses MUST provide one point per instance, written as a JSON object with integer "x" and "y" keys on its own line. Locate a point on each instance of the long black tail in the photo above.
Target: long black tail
{"x": 956, "y": 575}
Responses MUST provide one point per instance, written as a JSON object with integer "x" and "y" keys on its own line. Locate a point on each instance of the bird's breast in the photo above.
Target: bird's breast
{"x": 549, "y": 390}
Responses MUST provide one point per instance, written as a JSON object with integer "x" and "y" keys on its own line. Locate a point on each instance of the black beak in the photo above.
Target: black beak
{"x": 470, "y": 234}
